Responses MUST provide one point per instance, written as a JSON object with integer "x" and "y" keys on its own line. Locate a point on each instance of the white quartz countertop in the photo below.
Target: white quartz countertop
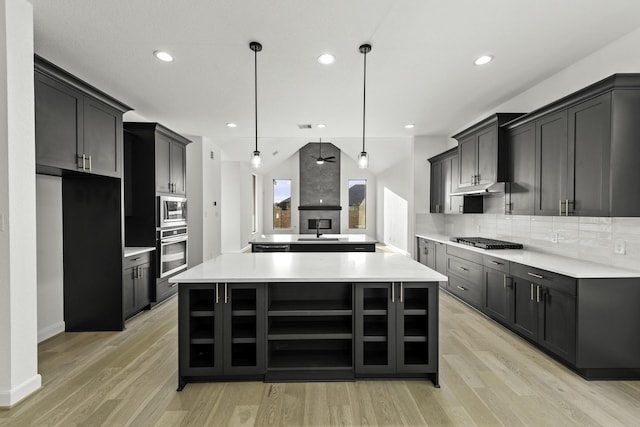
{"x": 571, "y": 267}
{"x": 309, "y": 267}
{"x": 137, "y": 250}
{"x": 311, "y": 238}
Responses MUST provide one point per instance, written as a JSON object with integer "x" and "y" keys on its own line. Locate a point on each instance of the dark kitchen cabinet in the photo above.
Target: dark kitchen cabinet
{"x": 396, "y": 326}
{"x": 544, "y": 309}
{"x": 444, "y": 172}
{"x": 521, "y": 164}
{"x": 464, "y": 269}
{"x": 137, "y": 280}
{"x": 78, "y": 128}
{"x": 496, "y": 297}
{"x": 436, "y": 194}
{"x": 170, "y": 165}
{"x": 221, "y": 331}
{"x": 552, "y": 174}
{"x": 434, "y": 255}
{"x": 482, "y": 152}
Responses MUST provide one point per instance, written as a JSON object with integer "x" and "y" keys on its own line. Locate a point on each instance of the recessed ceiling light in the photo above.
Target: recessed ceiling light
{"x": 326, "y": 59}
{"x": 321, "y": 126}
{"x": 484, "y": 59}
{"x": 232, "y": 125}
{"x": 409, "y": 126}
{"x": 164, "y": 56}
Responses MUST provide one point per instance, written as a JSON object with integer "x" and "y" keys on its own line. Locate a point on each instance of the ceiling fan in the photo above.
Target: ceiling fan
{"x": 320, "y": 160}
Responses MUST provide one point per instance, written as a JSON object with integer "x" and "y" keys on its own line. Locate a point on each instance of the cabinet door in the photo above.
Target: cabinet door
{"x": 487, "y": 154}
{"x": 163, "y": 164}
{"x": 557, "y": 323}
{"x": 446, "y": 186}
{"x": 102, "y": 138}
{"x": 58, "y": 117}
{"x": 551, "y": 163}
{"x": 143, "y": 286}
{"x": 426, "y": 255}
{"x": 244, "y": 328}
{"x": 435, "y": 196}
{"x": 128, "y": 292}
{"x": 496, "y": 295}
{"x": 178, "y": 168}
{"x": 522, "y": 149}
{"x": 416, "y": 328}
{"x": 524, "y": 309}
{"x": 441, "y": 258}
{"x": 467, "y": 160}
{"x": 200, "y": 331}
{"x": 375, "y": 340}
{"x": 589, "y": 157}
{"x": 455, "y": 202}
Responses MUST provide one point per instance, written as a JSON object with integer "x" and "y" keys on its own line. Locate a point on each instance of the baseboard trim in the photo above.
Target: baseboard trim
{"x": 11, "y": 397}
{"x": 50, "y": 331}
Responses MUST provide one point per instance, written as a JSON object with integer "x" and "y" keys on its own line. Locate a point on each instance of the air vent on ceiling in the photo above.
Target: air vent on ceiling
{"x": 304, "y": 126}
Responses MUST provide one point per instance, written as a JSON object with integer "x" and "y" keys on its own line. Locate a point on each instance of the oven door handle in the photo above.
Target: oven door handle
{"x": 178, "y": 239}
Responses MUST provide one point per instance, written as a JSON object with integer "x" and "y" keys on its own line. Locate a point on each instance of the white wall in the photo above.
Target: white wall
{"x": 203, "y": 193}
{"x": 288, "y": 169}
{"x": 50, "y": 271}
{"x": 18, "y": 253}
{"x": 236, "y": 205}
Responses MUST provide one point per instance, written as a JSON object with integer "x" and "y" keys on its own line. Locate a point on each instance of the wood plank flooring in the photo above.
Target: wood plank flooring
{"x": 489, "y": 377}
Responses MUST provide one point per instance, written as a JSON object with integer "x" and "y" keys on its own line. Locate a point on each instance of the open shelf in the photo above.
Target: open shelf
{"x": 310, "y": 327}
{"x": 329, "y": 298}
{"x": 311, "y": 307}
{"x": 310, "y": 354}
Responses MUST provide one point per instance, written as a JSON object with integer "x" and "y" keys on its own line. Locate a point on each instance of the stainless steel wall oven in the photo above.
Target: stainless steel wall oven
{"x": 172, "y": 250}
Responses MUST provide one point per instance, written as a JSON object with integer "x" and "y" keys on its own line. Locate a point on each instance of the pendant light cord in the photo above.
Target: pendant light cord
{"x": 255, "y": 74}
{"x": 364, "y": 99}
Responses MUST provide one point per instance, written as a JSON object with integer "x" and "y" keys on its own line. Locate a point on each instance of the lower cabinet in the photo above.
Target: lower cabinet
{"x": 136, "y": 283}
{"x": 221, "y": 331}
{"x": 434, "y": 255}
{"x": 497, "y": 284}
{"x": 396, "y": 329}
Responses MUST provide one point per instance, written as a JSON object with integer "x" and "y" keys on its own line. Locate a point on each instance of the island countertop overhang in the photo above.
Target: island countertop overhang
{"x": 309, "y": 267}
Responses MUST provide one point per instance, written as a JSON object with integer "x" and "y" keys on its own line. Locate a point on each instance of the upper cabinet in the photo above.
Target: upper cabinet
{"x": 78, "y": 127}
{"x": 166, "y": 149}
{"x": 481, "y": 152}
{"x": 444, "y": 173}
{"x": 585, "y": 153}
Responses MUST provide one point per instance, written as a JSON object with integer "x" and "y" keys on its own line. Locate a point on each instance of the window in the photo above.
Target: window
{"x": 254, "y": 215}
{"x": 357, "y": 203}
{"x": 281, "y": 203}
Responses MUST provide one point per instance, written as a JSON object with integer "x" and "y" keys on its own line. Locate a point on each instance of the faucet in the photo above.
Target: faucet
{"x": 318, "y": 228}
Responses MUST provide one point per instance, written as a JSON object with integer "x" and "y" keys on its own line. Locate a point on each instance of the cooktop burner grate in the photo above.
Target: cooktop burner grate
{"x": 484, "y": 243}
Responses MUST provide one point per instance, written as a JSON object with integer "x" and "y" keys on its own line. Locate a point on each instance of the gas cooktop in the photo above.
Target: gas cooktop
{"x": 483, "y": 243}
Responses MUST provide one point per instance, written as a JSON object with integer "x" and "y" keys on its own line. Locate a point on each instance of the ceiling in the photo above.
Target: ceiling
{"x": 420, "y": 69}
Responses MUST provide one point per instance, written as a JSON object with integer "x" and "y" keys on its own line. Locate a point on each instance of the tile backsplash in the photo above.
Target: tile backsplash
{"x": 587, "y": 238}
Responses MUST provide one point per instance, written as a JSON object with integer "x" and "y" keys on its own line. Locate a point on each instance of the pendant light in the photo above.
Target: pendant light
{"x": 363, "y": 158}
{"x": 256, "y": 160}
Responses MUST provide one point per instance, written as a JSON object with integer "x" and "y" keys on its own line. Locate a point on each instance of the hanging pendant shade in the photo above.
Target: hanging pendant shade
{"x": 363, "y": 158}
{"x": 256, "y": 160}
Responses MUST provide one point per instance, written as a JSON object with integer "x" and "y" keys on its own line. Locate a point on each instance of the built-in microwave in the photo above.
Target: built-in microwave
{"x": 172, "y": 211}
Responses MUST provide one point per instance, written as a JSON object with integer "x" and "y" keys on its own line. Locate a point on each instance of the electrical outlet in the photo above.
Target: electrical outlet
{"x": 620, "y": 247}
{"x": 554, "y": 238}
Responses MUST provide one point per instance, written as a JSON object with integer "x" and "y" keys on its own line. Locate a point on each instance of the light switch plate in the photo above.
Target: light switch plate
{"x": 620, "y": 247}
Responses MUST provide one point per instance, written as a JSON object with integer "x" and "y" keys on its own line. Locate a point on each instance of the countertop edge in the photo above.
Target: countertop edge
{"x": 131, "y": 251}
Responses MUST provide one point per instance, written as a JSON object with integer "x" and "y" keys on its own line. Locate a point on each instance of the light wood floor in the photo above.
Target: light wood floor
{"x": 488, "y": 377}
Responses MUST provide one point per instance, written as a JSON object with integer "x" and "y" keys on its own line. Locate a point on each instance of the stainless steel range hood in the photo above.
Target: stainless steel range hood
{"x": 478, "y": 190}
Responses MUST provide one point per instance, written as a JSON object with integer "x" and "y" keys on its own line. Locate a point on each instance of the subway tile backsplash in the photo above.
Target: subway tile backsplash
{"x": 586, "y": 238}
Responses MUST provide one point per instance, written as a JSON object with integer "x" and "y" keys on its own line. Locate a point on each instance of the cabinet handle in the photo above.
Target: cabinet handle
{"x": 140, "y": 273}
{"x": 538, "y": 294}
{"x": 463, "y": 269}
{"x": 226, "y": 295}
{"x": 495, "y": 263}
{"x": 393, "y": 292}
{"x": 135, "y": 272}
{"x": 217, "y": 296}
{"x": 402, "y": 292}
{"x": 532, "y": 292}
{"x": 560, "y": 207}
{"x": 89, "y": 163}
{"x": 536, "y": 275}
{"x": 567, "y": 207}
{"x": 462, "y": 288}
{"x": 83, "y": 159}
{"x": 505, "y": 280}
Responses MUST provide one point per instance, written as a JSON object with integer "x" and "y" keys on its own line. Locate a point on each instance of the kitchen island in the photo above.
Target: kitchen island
{"x": 308, "y": 317}
{"x": 313, "y": 243}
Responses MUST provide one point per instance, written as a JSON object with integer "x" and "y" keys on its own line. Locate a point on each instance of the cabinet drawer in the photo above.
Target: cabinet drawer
{"x": 422, "y": 243}
{"x": 545, "y": 278}
{"x": 496, "y": 263}
{"x": 135, "y": 260}
{"x": 164, "y": 289}
{"x": 470, "y": 292}
{"x": 464, "y": 269}
{"x": 465, "y": 254}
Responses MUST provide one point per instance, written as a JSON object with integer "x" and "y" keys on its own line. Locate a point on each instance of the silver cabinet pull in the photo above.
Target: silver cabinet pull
{"x": 505, "y": 280}
{"x": 495, "y": 263}
{"x": 217, "y": 296}
{"x": 84, "y": 159}
{"x": 567, "y": 207}
{"x": 532, "y": 292}
{"x": 536, "y": 275}
{"x": 462, "y": 288}
{"x": 538, "y": 294}
{"x": 393, "y": 292}
{"x": 226, "y": 295}
{"x": 89, "y": 163}
{"x": 463, "y": 269}
{"x": 560, "y": 207}
{"x": 402, "y": 292}
{"x": 140, "y": 273}
{"x": 426, "y": 251}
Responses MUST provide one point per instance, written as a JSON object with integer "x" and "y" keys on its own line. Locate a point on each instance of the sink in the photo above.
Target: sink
{"x": 318, "y": 239}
